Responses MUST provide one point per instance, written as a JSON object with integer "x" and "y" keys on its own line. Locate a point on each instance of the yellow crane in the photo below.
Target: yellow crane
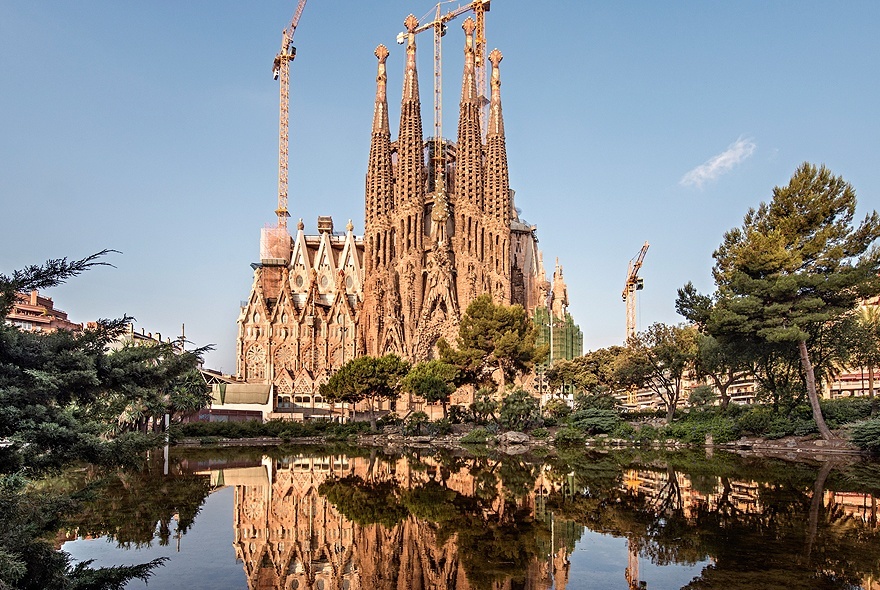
{"x": 633, "y": 283}
{"x": 281, "y": 72}
{"x": 438, "y": 25}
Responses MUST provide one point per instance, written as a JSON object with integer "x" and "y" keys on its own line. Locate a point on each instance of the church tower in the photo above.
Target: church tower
{"x": 469, "y": 237}
{"x": 497, "y": 198}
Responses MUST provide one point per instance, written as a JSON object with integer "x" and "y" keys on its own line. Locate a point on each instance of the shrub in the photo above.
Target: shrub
{"x": 838, "y": 412}
{"x": 866, "y": 436}
{"x": 540, "y": 433}
{"x": 646, "y": 434}
{"x": 556, "y": 409}
{"x": 569, "y": 436}
{"x": 595, "y": 420}
{"x": 477, "y": 435}
{"x": 439, "y": 427}
{"x": 519, "y": 411}
{"x": 624, "y": 430}
{"x": 458, "y": 414}
{"x": 413, "y": 424}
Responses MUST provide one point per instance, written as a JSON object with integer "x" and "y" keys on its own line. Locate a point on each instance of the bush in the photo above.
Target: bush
{"x": 694, "y": 430}
{"x": 866, "y": 436}
{"x": 595, "y": 420}
{"x": 540, "y": 433}
{"x": 413, "y": 425}
{"x": 647, "y": 434}
{"x": 624, "y": 430}
{"x": 569, "y": 436}
{"x": 519, "y": 411}
{"x": 477, "y": 435}
{"x": 458, "y": 414}
{"x": 838, "y": 412}
{"x": 439, "y": 427}
{"x": 556, "y": 409}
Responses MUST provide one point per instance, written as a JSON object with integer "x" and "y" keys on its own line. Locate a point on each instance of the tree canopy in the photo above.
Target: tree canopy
{"x": 61, "y": 395}
{"x": 492, "y": 339}
{"x": 433, "y": 380}
{"x": 367, "y": 378}
{"x": 658, "y": 359}
{"x": 797, "y": 266}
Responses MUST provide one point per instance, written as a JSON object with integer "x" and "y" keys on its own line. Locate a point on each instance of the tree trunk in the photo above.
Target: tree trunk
{"x": 811, "y": 392}
{"x": 373, "y": 426}
{"x": 670, "y": 412}
{"x": 815, "y": 505}
{"x": 871, "y": 389}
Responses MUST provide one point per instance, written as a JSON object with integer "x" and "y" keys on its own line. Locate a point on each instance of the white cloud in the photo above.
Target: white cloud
{"x": 718, "y": 165}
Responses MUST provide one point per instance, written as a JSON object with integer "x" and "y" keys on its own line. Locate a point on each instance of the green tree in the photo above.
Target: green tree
{"x": 796, "y": 267}
{"x": 720, "y": 362}
{"x": 491, "y": 339}
{"x": 434, "y": 381}
{"x": 367, "y": 378}
{"x": 53, "y": 392}
{"x": 657, "y": 359}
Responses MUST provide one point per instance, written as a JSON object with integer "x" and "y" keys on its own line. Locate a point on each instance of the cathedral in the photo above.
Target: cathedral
{"x": 440, "y": 229}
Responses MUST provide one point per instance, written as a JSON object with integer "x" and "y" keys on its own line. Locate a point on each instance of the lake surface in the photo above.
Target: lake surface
{"x": 354, "y": 518}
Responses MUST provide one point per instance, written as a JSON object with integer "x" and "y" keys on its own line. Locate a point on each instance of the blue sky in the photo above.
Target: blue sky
{"x": 151, "y": 128}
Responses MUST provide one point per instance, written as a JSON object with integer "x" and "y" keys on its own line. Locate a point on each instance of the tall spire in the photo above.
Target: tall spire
{"x": 410, "y": 187}
{"x": 497, "y": 174}
{"x": 380, "y": 189}
{"x": 469, "y": 173}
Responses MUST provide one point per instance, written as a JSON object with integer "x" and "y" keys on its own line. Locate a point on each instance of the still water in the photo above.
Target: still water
{"x": 352, "y": 518}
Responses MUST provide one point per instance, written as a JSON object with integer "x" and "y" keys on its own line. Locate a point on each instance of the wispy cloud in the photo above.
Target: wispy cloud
{"x": 720, "y": 164}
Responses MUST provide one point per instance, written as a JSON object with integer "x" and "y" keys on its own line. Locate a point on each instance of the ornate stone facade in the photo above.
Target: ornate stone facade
{"x": 440, "y": 229}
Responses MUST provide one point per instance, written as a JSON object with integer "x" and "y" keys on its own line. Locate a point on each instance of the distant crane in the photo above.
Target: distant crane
{"x": 281, "y": 71}
{"x": 438, "y": 25}
{"x": 633, "y": 283}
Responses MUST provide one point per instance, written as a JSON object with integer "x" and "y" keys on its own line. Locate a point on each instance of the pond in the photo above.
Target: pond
{"x": 346, "y": 518}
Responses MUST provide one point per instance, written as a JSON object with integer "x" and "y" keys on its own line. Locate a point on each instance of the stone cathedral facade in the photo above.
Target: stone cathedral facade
{"x": 440, "y": 229}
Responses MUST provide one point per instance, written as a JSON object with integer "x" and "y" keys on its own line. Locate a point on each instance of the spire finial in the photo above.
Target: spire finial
{"x": 382, "y": 53}
{"x": 495, "y": 57}
{"x": 300, "y": 226}
{"x": 349, "y": 226}
{"x": 411, "y": 23}
{"x": 469, "y": 26}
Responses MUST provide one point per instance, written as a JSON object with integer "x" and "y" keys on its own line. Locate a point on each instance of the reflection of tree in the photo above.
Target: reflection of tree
{"x": 365, "y": 502}
{"x": 129, "y": 506}
{"x": 765, "y": 524}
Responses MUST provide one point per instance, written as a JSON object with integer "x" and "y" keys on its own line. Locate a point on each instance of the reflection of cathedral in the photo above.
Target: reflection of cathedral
{"x": 289, "y": 536}
{"x": 440, "y": 229}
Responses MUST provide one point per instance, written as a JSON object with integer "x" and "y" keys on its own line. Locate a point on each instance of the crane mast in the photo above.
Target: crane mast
{"x": 281, "y": 72}
{"x": 633, "y": 283}
{"x": 438, "y": 25}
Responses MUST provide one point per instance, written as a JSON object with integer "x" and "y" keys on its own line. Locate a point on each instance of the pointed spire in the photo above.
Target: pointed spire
{"x": 410, "y": 154}
{"x": 497, "y": 173}
{"x": 469, "y": 84}
{"x": 380, "y": 113}
{"x": 380, "y": 187}
{"x": 469, "y": 166}
{"x": 411, "y": 78}
{"x": 496, "y": 121}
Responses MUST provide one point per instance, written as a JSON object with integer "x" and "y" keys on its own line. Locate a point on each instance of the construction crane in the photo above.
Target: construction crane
{"x": 633, "y": 283}
{"x": 438, "y": 25}
{"x": 281, "y": 72}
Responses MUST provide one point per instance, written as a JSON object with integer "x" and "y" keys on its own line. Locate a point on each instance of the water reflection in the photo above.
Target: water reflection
{"x": 356, "y": 518}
